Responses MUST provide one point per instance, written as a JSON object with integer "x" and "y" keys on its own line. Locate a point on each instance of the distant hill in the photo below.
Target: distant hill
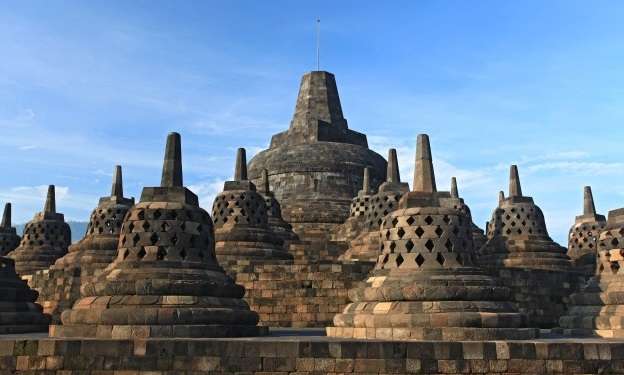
{"x": 78, "y": 229}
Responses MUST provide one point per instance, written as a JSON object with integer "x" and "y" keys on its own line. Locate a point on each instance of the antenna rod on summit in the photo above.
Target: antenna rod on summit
{"x": 318, "y": 44}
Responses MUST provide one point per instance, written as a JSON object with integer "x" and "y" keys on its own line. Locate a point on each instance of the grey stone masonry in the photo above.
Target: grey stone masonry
{"x": 165, "y": 281}
{"x": 316, "y": 166}
{"x": 425, "y": 284}
{"x": 59, "y": 286}
{"x": 583, "y": 235}
{"x": 9, "y": 238}
{"x": 46, "y": 238}
{"x": 241, "y": 220}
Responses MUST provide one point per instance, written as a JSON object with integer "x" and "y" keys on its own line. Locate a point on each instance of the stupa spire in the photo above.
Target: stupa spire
{"x": 588, "y": 202}
{"x": 392, "y": 172}
{"x": 6, "y": 216}
{"x": 240, "y": 172}
{"x": 424, "y": 178}
{"x": 50, "y": 203}
{"x": 117, "y": 188}
{"x": 515, "y": 190}
{"x": 172, "y": 166}
{"x": 501, "y": 197}
{"x": 265, "y": 181}
{"x": 317, "y": 100}
{"x": 454, "y": 192}
{"x": 366, "y": 181}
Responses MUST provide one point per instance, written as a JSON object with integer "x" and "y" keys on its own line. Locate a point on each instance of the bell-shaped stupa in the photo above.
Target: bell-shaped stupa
{"x": 583, "y": 235}
{"x": 18, "y": 311}
{"x": 360, "y": 205}
{"x": 281, "y": 228}
{"x": 316, "y": 166}
{"x": 9, "y": 239}
{"x": 366, "y": 245}
{"x": 598, "y": 308}
{"x": 517, "y": 234}
{"x": 165, "y": 281}
{"x": 425, "y": 284}
{"x": 46, "y": 238}
{"x": 59, "y": 286}
{"x": 241, "y": 221}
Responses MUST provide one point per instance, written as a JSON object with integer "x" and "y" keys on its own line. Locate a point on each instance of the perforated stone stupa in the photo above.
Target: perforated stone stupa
{"x": 598, "y": 308}
{"x": 316, "y": 166}
{"x": 517, "y": 234}
{"x": 46, "y": 238}
{"x": 274, "y": 211}
{"x": 425, "y": 284}
{"x": 523, "y": 256}
{"x": 18, "y": 311}
{"x": 9, "y": 239}
{"x": 583, "y": 235}
{"x": 241, "y": 221}
{"x": 166, "y": 281}
{"x": 360, "y": 206}
{"x": 366, "y": 245}
{"x": 59, "y": 286}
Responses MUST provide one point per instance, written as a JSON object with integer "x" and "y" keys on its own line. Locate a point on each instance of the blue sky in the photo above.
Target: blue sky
{"x": 86, "y": 85}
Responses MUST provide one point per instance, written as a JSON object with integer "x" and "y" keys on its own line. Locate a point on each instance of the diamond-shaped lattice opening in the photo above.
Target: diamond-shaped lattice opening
{"x": 399, "y": 260}
{"x": 400, "y": 233}
{"x": 161, "y": 253}
{"x": 449, "y": 245}
{"x": 135, "y": 239}
{"x": 513, "y": 223}
{"x": 387, "y": 234}
{"x": 429, "y": 245}
{"x": 420, "y": 260}
{"x": 409, "y": 245}
{"x": 157, "y": 214}
{"x": 508, "y": 231}
{"x": 164, "y": 226}
{"x": 615, "y": 242}
{"x": 440, "y": 259}
{"x": 419, "y": 232}
{"x": 439, "y": 231}
{"x": 446, "y": 219}
{"x": 183, "y": 254}
{"x": 395, "y": 221}
{"x": 615, "y": 266}
{"x": 621, "y": 231}
{"x": 455, "y": 230}
{"x": 460, "y": 260}
{"x": 392, "y": 246}
{"x": 141, "y": 215}
{"x": 519, "y": 231}
{"x": 126, "y": 253}
{"x": 154, "y": 238}
{"x": 428, "y": 220}
{"x": 410, "y": 220}
{"x": 145, "y": 226}
{"x": 141, "y": 253}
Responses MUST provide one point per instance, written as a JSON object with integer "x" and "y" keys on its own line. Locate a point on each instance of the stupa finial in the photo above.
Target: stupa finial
{"x": 172, "y": 166}
{"x": 240, "y": 173}
{"x": 392, "y": 171}
{"x": 6, "y": 216}
{"x": 515, "y": 190}
{"x": 588, "y": 202}
{"x": 117, "y": 189}
{"x": 454, "y": 192}
{"x": 501, "y": 197}
{"x": 265, "y": 181}
{"x": 424, "y": 178}
{"x": 50, "y": 203}
{"x": 366, "y": 181}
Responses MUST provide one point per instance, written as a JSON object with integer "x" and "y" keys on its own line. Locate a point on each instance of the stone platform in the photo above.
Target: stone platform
{"x": 306, "y": 352}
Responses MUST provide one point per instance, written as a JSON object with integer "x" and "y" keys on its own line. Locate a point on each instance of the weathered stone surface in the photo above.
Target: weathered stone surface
{"x": 517, "y": 234}
{"x": 46, "y": 238}
{"x": 425, "y": 284}
{"x": 522, "y": 255}
{"x": 59, "y": 286}
{"x": 165, "y": 281}
{"x": 598, "y": 308}
{"x": 274, "y": 211}
{"x": 583, "y": 235}
{"x": 360, "y": 206}
{"x": 366, "y": 244}
{"x": 18, "y": 311}
{"x": 316, "y": 166}
{"x": 9, "y": 238}
{"x": 241, "y": 221}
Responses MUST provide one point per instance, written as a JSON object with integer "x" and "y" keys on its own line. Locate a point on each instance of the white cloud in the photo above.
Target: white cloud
{"x": 207, "y": 191}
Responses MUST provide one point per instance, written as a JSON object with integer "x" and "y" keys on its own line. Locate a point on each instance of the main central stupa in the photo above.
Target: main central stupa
{"x": 316, "y": 166}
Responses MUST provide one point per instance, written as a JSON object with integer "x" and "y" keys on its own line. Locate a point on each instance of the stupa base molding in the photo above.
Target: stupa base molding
{"x": 433, "y": 333}
{"x": 156, "y": 331}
